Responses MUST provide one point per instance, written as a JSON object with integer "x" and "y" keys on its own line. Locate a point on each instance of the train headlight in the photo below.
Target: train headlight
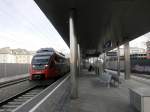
{"x": 33, "y": 66}
{"x": 46, "y": 66}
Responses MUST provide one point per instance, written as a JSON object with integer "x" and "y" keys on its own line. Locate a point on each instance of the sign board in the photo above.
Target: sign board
{"x": 111, "y": 53}
{"x": 107, "y": 45}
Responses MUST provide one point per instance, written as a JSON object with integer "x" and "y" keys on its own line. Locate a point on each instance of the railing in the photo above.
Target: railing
{"x": 55, "y": 98}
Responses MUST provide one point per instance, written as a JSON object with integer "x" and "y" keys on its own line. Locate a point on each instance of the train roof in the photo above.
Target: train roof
{"x": 48, "y": 51}
{"x": 45, "y": 50}
{"x": 44, "y": 53}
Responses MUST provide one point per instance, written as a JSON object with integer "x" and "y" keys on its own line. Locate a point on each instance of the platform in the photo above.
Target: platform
{"x": 12, "y": 78}
{"x": 96, "y": 97}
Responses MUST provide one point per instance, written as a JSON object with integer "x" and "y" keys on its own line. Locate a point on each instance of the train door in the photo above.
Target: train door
{"x": 63, "y": 65}
{"x": 53, "y": 67}
{"x": 56, "y": 65}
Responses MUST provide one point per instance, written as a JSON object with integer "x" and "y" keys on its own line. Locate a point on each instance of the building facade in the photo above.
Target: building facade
{"x": 8, "y": 55}
{"x": 133, "y": 50}
{"x": 148, "y": 49}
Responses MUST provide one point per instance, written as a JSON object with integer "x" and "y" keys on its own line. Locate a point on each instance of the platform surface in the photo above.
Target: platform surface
{"x": 96, "y": 97}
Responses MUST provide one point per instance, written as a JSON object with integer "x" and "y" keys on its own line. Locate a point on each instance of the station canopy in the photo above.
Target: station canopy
{"x": 100, "y": 25}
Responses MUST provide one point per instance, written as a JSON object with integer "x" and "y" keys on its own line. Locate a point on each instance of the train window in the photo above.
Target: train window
{"x": 56, "y": 60}
{"x": 40, "y": 59}
{"x": 61, "y": 60}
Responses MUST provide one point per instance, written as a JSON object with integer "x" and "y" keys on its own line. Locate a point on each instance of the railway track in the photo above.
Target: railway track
{"x": 12, "y": 103}
{"x": 146, "y": 76}
{"x": 142, "y": 75}
{"x": 5, "y": 84}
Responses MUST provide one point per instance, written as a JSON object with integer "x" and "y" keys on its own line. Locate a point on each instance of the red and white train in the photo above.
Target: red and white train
{"x": 48, "y": 63}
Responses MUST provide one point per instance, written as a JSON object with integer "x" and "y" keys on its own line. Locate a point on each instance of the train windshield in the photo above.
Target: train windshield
{"x": 40, "y": 59}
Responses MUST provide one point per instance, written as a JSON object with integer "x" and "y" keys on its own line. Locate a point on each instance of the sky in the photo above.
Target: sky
{"x": 23, "y": 25}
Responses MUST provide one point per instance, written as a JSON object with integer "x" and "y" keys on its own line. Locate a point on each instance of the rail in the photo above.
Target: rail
{"x": 13, "y": 102}
{"x": 54, "y": 98}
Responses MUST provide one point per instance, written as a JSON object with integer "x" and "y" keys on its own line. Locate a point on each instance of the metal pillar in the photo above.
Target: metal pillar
{"x": 127, "y": 60}
{"x": 73, "y": 57}
{"x": 118, "y": 61}
{"x": 79, "y": 59}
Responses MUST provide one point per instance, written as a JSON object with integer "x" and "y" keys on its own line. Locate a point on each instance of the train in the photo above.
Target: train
{"x": 47, "y": 63}
{"x": 139, "y": 63}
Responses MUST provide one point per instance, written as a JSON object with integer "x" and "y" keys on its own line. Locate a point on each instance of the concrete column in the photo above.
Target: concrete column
{"x": 79, "y": 59}
{"x": 104, "y": 63}
{"x": 127, "y": 60}
{"x": 118, "y": 61}
{"x": 97, "y": 67}
{"x": 73, "y": 57}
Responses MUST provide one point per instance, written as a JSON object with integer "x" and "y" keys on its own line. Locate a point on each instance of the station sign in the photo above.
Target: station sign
{"x": 111, "y": 53}
{"x": 108, "y": 44}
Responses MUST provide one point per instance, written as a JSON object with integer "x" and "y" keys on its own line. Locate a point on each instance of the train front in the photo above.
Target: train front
{"x": 39, "y": 68}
